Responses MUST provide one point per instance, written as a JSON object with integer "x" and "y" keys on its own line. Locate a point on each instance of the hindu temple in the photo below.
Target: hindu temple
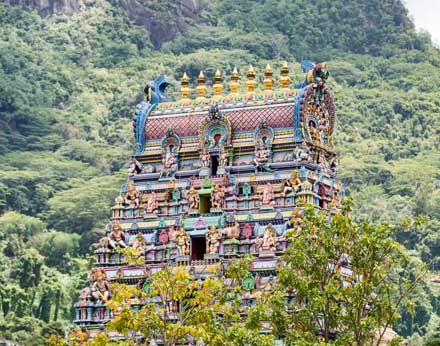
{"x": 222, "y": 172}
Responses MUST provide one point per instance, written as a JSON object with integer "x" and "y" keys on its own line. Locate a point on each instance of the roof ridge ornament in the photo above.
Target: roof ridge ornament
{"x": 234, "y": 85}
{"x": 201, "y": 87}
{"x": 284, "y": 78}
{"x": 185, "y": 90}
{"x": 268, "y": 80}
{"x": 218, "y": 86}
{"x": 251, "y": 84}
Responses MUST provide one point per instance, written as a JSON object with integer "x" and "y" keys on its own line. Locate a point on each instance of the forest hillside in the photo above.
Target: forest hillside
{"x": 72, "y": 71}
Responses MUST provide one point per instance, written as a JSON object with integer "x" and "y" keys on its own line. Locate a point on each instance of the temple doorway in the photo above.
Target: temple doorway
{"x": 198, "y": 248}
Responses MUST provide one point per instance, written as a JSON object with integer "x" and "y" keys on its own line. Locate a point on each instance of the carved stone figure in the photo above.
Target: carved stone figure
{"x": 117, "y": 236}
{"x": 261, "y": 156}
{"x": 233, "y": 232}
{"x": 100, "y": 288}
{"x": 169, "y": 163}
{"x": 292, "y": 184}
{"x": 267, "y": 197}
{"x": 131, "y": 197}
{"x": 269, "y": 240}
{"x": 164, "y": 235}
{"x": 193, "y": 198}
{"x": 135, "y": 167}
{"x": 205, "y": 159}
{"x": 213, "y": 238}
{"x": 314, "y": 132}
{"x": 182, "y": 241}
{"x": 139, "y": 243}
{"x": 218, "y": 197}
{"x": 152, "y": 203}
{"x": 224, "y": 158}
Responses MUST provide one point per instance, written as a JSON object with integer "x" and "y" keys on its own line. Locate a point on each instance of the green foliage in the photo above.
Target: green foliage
{"x": 346, "y": 277}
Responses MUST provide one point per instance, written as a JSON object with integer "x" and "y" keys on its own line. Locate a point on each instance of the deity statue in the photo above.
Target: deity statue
{"x": 117, "y": 236}
{"x": 205, "y": 159}
{"x": 152, "y": 203}
{"x": 223, "y": 158}
{"x": 233, "y": 232}
{"x": 314, "y": 132}
{"x": 131, "y": 197}
{"x": 296, "y": 220}
{"x": 261, "y": 156}
{"x": 181, "y": 237}
{"x": 218, "y": 197}
{"x": 169, "y": 163}
{"x": 213, "y": 238}
{"x": 193, "y": 198}
{"x": 269, "y": 240}
{"x": 292, "y": 184}
{"x": 317, "y": 74}
{"x": 323, "y": 163}
{"x": 100, "y": 288}
{"x": 139, "y": 244}
{"x": 267, "y": 197}
{"x": 135, "y": 167}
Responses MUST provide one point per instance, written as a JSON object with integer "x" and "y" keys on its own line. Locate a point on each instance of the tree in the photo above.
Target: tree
{"x": 179, "y": 309}
{"x": 348, "y": 279}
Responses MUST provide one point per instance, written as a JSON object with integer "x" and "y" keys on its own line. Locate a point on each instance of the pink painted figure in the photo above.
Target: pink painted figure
{"x": 218, "y": 196}
{"x": 261, "y": 155}
{"x": 193, "y": 198}
{"x": 152, "y": 203}
{"x": 182, "y": 240}
{"x": 100, "y": 288}
{"x": 117, "y": 236}
{"x": 205, "y": 159}
{"x": 213, "y": 239}
{"x": 224, "y": 158}
{"x": 169, "y": 163}
{"x": 269, "y": 240}
{"x": 267, "y": 197}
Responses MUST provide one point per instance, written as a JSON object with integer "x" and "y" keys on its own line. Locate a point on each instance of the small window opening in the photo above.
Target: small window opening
{"x": 214, "y": 164}
{"x": 198, "y": 248}
{"x": 205, "y": 204}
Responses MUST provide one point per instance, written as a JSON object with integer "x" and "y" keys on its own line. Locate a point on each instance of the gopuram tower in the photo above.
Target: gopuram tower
{"x": 215, "y": 178}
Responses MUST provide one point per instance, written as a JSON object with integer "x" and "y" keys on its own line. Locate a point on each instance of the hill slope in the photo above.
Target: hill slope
{"x": 70, "y": 79}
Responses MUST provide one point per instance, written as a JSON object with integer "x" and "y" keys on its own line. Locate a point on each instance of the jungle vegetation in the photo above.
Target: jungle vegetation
{"x": 69, "y": 84}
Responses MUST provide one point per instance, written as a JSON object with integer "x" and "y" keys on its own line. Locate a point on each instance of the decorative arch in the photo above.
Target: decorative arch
{"x": 264, "y": 134}
{"x": 170, "y": 141}
{"x": 215, "y": 132}
{"x": 315, "y": 117}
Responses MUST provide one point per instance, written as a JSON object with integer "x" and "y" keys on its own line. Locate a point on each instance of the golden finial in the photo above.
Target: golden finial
{"x": 201, "y": 87}
{"x": 185, "y": 90}
{"x": 268, "y": 81}
{"x": 218, "y": 86}
{"x": 251, "y": 83}
{"x": 284, "y": 78}
{"x": 234, "y": 85}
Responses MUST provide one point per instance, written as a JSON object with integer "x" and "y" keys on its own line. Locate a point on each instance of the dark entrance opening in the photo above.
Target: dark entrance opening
{"x": 214, "y": 164}
{"x": 205, "y": 204}
{"x": 198, "y": 248}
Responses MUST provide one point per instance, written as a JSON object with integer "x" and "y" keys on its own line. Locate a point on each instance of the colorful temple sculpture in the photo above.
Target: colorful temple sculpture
{"x": 214, "y": 178}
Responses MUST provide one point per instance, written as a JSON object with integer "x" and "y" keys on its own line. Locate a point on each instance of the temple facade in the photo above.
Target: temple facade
{"x": 214, "y": 178}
